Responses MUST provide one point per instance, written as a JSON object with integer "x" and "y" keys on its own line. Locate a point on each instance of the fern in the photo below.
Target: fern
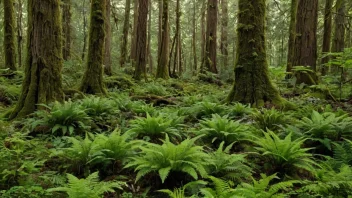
{"x": 286, "y": 153}
{"x": 168, "y": 157}
{"x": 240, "y": 110}
{"x": 342, "y": 152}
{"x": 229, "y": 166}
{"x": 87, "y": 188}
{"x": 181, "y": 192}
{"x": 270, "y": 119}
{"x": 222, "y": 129}
{"x": 221, "y": 189}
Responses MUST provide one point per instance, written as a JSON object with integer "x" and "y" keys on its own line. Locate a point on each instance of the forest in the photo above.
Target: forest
{"x": 175, "y": 98}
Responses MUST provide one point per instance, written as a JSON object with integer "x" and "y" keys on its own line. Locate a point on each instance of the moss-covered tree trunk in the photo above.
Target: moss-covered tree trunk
{"x": 224, "y": 44}
{"x": 133, "y": 54}
{"x": 42, "y": 83}
{"x": 211, "y": 37}
{"x": 327, "y": 35}
{"x": 107, "y": 42}
{"x": 305, "y": 50}
{"x": 126, "y": 26}
{"x": 19, "y": 31}
{"x": 149, "y": 45}
{"x": 163, "y": 62}
{"x": 141, "y": 41}
{"x": 92, "y": 82}
{"x": 252, "y": 83}
{"x": 9, "y": 38}
{"x": 66, "y": 27}
{"x": 194, "y": 37}
{"x": 292, "y": 35}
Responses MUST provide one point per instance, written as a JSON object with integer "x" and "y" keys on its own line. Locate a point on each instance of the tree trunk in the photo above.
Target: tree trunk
{"x": 177, "y": 57}
{"x": 224, "y": 35}
{"x": 211, "y": 36}
{"x": 92, "y": 82}
{"x": 42, "y": 83}
{"x": 338, "y": 44}
{"x": 327, "y": 35}
{"x": 19, "y": 31}
{"x": 149, "y": 50}
{"x": 194, "y": 38}
{"x": 126, "y": 26}
{"x": 305, "y": 51}
{"x": 66, "y": 29}
{"x": 160, "y": 27}
{"x": 9, "y": 35}
{"x": 141, "y": 41}
{"x": 85, "y": 24}
{"x": 252, "y": 83}
{"x": 163, "y": 70}
{"x": 107, "y": 48}
{"x": 203, "y": 35}
{"x": 134, "y": 33}
{"x": 292, "y": 35}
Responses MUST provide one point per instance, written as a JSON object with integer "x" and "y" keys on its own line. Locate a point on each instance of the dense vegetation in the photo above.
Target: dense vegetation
{"x": 104, "y": 123}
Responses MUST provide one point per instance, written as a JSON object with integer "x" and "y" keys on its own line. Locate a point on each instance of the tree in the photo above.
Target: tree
{"x": 66, "y": 27}
{"x": 252, "y": 83}
{"x": 149, "y": 46}
{"x": 134, "y": 32}
{"x": 194, "y": 37}
{"x": 292, "y": 35}
{"x": 338, "y": 43}
{"x": 126, "y": 26}
{"x": 327, "y": 34}
{"x": 19, "y": 31}
{"x": 163, "y": 62}
{"x": 177, "y": 55}
{"x": 305, "y": 49}
{"x": 224, "y": 33}
{"x": 107, "y": 41}
{"x": 141, "y": 42}
{"x": 92, "y": 82}
{"x": 211, "y": 36}
{"x": 42, "y": 83}
{"x": 9, "y": 38}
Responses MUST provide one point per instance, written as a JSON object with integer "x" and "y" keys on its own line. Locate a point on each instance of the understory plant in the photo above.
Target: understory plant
{"x": 164, "y": 159}
{"x": 270, "y": 119}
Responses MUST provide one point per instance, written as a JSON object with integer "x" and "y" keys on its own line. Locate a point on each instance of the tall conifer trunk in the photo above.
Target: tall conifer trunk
{"x": 107, "y": 42}
{"x": 252, "y": 83}
{"x": 163, "y": 62}
{"x": 126, "y": 26}
{"x": 327, "y": 34}
{"x": 211, "y": 37}
{"x": 92, "y": 82}
{"x": 292, "y": 35}
{"x": 42, "y": 83}
{"x": 9, "y": 38}
{"x": 141, "y": 42}
{"x": 66, "y": 27}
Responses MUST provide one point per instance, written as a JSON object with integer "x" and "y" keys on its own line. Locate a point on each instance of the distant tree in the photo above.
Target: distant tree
{"x": 252, "y": 83}
{"x": 211, "y": 37}
{"x": 224, "y": 33}
{"x": 141, "y": 42}
{"x": 134, "y": 32}
{"x": 107, "y": 41}
{"x": 327, "y": 34}
{"x": 66, "y": 28}
{"x": 125, "y": 29}
{"x": 292, "y": 34}
{"x": 305, "y": 49}
{"x": 338, "y": 43}
{"x": 42, "y": 83}
{"x": 92, "y": 82}
{"x": 9, "y": 38}
{"x": 163, "y": 62}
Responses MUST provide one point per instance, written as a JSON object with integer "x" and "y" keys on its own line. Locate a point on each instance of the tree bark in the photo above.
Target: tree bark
{"x": 211, "y": 37}
{"x": 177, "y": 55}
{"x": 19, "y": 31}
{"x": 134, "y": 33}
{"x": 42, "y": 83}
{"x": 149, "y": 50}
{"x": 252, "y": 83}
{"x": 224, "y": 34}
{"x": 66, "y": 28}
{"x": 327, "y": 35}
{"x": 126, "y": 26}
{"x": 92, "y": 82}
{"x": 141, "y": 41}
{"x": 163, "y": 62}
{"x": 194, "y": 38}
{"x": 338, "y": 43}
{"x": 107, "y": 48}
{"x": 305, "y": 50}
{"x": 85, "y": 24}
{"x": 203, "y": 35}
{"x": 292, "y": 35}
{"x": 9, "y": 35}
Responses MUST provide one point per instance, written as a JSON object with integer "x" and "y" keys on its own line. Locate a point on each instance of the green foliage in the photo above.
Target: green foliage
{"x": 87, "y": 188}
{"x": 181, "y": 192}
{"x": 229, "y": 166}
{"x": 330, "y": 183}
{"x": 326, "y": 127}
{"x": 270, "y": 119}
{"x": 26, "y": 191}
{"x": 168, "y": 157}
{"x": 222, "y": 189}
{"x": 62, "y": 119}
{"x": 240, "y": 110}
{"x": 342, "y": 152}
{"x": 222, "y": 129}
{"x": 286, "y": 154}
{"x": 153, "y": 127}
{"x": 98, "y": 108}
{"x": 153, "y": 88}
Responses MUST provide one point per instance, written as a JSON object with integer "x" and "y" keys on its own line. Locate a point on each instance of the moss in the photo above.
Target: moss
{"x": 73, "y": 93}
{"x": 119, "y": 82}
{"x": 9, "y": 38}
{"x": 42, "y": 83}
{"x": 252, "y": 83}
{"x": 92, "y": 82}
